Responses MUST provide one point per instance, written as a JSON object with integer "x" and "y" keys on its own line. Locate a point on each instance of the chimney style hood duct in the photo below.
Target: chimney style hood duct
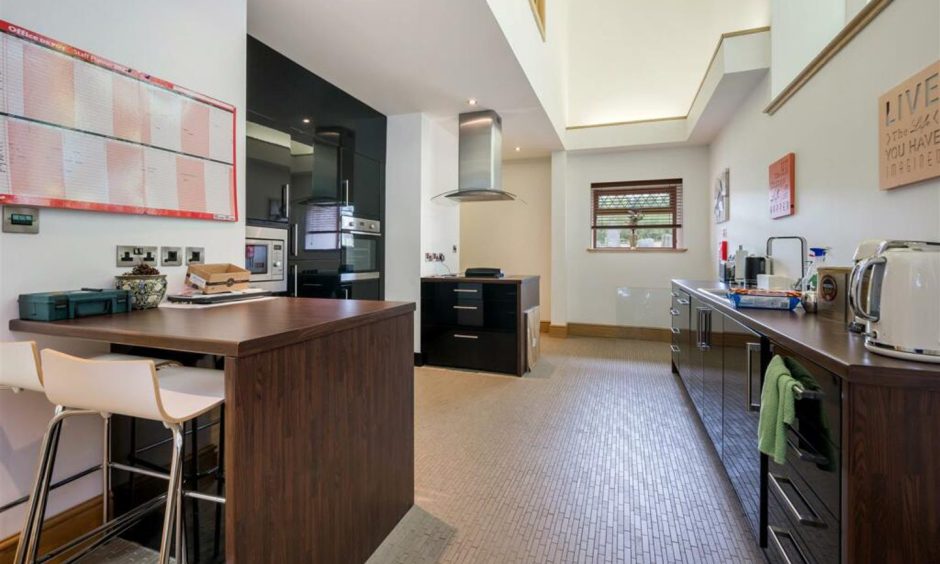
{"x": 480, "y": 165}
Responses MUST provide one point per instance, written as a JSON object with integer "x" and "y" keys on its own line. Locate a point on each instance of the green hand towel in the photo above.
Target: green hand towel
{"x": 814, "y": 425}
{"x": 777, "y": 409}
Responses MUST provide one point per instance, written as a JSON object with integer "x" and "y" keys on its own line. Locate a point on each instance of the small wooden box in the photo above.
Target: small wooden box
{"x": 832, "y": 292}
{"x": 217, "y": 278}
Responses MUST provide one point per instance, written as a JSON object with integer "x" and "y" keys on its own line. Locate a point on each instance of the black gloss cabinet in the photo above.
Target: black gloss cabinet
{"x": 475, "y": 323}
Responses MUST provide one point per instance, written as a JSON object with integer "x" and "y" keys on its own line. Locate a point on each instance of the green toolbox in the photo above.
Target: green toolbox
{"x": 56, "y": 306}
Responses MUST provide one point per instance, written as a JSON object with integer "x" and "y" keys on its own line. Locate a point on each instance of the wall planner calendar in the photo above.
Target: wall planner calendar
{"x": 81, "y": 132}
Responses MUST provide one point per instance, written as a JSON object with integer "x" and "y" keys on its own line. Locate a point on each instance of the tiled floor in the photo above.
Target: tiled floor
{"x": 596, "y": 457}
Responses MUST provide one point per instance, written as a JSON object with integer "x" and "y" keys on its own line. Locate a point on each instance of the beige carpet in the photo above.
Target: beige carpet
{"x": 595, "y": 457}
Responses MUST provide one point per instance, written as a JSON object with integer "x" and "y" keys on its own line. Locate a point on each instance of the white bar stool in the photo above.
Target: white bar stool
{"x": 133, "y": 388}
{"x": 20, "y": 370}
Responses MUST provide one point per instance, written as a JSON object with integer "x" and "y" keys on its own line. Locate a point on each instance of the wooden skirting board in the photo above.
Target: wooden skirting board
{"x": 59, "y": 529}
{"x": 657, "y": 334}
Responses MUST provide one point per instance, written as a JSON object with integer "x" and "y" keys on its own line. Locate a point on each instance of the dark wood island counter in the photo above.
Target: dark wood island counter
{"x": 319, "y": 457}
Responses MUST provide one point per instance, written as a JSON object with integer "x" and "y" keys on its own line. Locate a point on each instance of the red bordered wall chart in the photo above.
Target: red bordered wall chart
{"x": 81, "y": 132}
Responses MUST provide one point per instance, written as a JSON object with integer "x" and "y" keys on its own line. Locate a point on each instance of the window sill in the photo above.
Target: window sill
{"x": 636, "y": 250}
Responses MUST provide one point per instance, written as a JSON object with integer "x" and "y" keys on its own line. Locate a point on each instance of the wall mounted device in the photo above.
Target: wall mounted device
{"x": 20, "y": 219}
{"x": 171, "y": 256}
{"x": 195, "y": 255}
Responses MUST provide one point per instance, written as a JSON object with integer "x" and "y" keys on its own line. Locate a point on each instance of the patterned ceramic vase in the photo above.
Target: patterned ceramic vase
{"x": 145, "y": 291}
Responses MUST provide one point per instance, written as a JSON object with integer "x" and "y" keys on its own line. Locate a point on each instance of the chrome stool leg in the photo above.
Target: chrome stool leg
{"x": 106, "y": 469}
{"x": 172, "y": 494}
{"x": 43, "y": 473}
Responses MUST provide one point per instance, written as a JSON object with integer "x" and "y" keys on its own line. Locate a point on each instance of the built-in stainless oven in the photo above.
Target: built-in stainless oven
{"x": 359, "y": 239}
{"x": 265, "y": 257}
{"x": 334, "y": 254}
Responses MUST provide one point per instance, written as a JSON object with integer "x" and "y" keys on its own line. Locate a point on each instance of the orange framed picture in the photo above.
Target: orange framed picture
{"x": 783, "y": 187}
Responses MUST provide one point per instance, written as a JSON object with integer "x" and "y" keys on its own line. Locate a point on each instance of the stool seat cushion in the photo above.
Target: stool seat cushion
{"x": 189, "y": 392}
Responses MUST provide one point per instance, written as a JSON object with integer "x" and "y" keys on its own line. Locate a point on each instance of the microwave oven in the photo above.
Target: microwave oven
{"x": 265, "y": 257}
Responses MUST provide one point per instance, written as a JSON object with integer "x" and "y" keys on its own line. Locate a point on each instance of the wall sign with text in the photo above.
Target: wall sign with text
{"x": 783, "y": 187}
{"x": 909, "y": 130}
{"x": 79, "y": 131}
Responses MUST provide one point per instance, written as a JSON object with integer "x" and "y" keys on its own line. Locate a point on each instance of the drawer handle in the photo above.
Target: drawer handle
{"x": 751, "y": 349}
{"x": 774, "y": 531}
{"x": 462, "y": 336}
{"x": 814, "y": 520}
{"x": 675, "y": 330}
{"x": 804, "y": 455}
{"x": 674, "y": 312}
{"x": 674, "y": 348}
{"x": 682, "y": 301}
{"x": 802, "y": 394}
{"x": 673, "y": 294}
{"x": 465, "y": 307}
{"x": 465, "y": 291}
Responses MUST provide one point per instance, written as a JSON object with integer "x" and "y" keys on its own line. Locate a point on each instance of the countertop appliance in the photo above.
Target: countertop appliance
{"x": 265, "y": 257}
{"x": 902, "y": 309}
{"x": 752, "y": 267}
{"x": 484, "y": 272}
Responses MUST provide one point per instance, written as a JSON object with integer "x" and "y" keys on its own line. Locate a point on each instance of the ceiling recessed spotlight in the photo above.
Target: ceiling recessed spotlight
{"x": 306, "y": 120}
{"x": 518, "y": 149}
{"x": 472, "y": 101}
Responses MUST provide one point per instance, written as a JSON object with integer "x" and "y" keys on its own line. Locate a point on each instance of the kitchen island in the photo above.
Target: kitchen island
{"x": 479, "y": 323}
{"x": 319, "y": 418}
{"x": 861, "y": 479}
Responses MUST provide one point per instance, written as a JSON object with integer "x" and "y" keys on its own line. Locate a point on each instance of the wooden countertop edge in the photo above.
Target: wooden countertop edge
{"x": 261, "y": 344}
{"x": 894, "y": 376}
{"x": 207, "y": 346}
{"x": 213, "y": 346}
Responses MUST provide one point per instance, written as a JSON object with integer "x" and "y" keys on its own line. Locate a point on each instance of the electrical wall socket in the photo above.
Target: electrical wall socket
{"x": 433, "y": 257}
{"x": 149, "y": 255}
{"x": 171, "y": 256}
{"x": 128, "y": 256}
{"x": 195, "y": 255}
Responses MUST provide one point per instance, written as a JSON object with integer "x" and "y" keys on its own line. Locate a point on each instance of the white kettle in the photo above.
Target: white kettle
{"x": 902, "y": 309}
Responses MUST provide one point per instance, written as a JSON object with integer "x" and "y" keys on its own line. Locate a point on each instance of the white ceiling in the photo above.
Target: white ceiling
{"x": 411, "y": 56}
{"x": 637, "y": 60}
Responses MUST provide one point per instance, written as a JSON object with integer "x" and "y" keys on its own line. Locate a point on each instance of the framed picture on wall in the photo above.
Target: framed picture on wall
{"x": 722, "y": 197}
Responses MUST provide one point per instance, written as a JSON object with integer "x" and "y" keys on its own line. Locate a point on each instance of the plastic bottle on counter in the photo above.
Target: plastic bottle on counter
{"x": 817, "y": 257}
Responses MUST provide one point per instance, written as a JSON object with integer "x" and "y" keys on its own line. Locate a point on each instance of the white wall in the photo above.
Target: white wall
{"x": 514, "y": 236}
{"x": 544, "y": 61}
{"x": 632, "y": 288}
{"x": 421, "y": 163}
{"x": 831, "y": 125}
{"x": 801, "y": 28}
{"x": 634, "y": 59}
{"x": 403, "y": 197}
{"x": 440, "y": 219}
{"x": 197, "y": 45}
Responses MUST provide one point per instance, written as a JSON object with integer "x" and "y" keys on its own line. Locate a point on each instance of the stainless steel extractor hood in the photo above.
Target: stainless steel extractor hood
{"x": 479, "y": 165}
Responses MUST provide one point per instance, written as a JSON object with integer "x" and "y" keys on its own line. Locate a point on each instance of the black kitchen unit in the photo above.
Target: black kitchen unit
{"x": 479, "y": 323}
{"x": 719, "y": 363}
{"x": 316, "y": 161}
